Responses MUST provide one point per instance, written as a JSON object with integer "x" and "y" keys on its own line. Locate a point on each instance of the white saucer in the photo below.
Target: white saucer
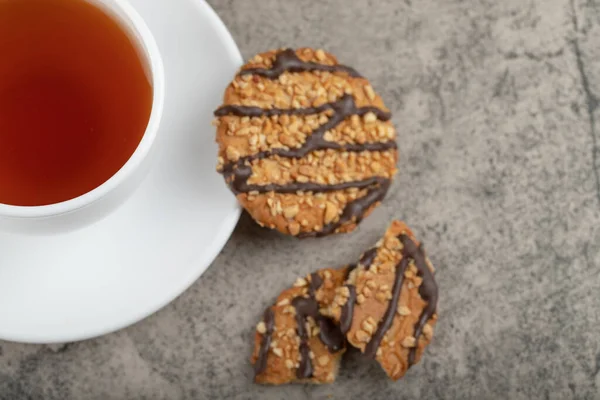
{"x": 116, "y": 272}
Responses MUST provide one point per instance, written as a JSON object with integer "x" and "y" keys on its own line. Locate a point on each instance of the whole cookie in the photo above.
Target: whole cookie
{"x": 305, "y": 143}
{"x": 295, "y": 342}
{"x": 388, "y": 307}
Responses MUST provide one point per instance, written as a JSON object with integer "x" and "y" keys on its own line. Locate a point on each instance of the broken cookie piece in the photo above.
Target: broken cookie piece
{"x": 295, "y": 341}
{"x": 388, "y": 306}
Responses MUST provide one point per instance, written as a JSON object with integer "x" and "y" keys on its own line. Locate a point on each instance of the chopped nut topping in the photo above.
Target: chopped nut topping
{"x": 340, "y": 300}
{"x": 261, "y": 328}
{"x": 232, "y": 153}
{"x": 315, "y": 331}
{"x": 278, "y": 352}
{"x": 291, "y": 211}
{"x": 367, "y": 327}
{"x": 300, "y": 282}
{"x": 403, "y": 310}
{"x": 323, "y": 360}
{"x": 369, "y": 92}
{"x": 283, "y": 302}
{"x": 306, "y": 170}
{"x": 325, "y": 311}
{"x": 360, "y": 299}
{"x": 331, "y": 212}
{"x": 409, "y": 342}
{"x": 344, "y": 291}
{"x": 294, "y": 228}
{"x": 362, "y": 336}
{"x": 367, "y": 292}
{"x": 428, "y": 331}
{"x": 289, "y": 310}
{"x": 370, "y": 118}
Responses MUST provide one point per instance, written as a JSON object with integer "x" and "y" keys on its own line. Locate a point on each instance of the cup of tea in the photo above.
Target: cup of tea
{"x": 82, "y": 90}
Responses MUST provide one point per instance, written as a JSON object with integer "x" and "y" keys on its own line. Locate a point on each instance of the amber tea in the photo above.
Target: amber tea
{"x": 75, "y": 99}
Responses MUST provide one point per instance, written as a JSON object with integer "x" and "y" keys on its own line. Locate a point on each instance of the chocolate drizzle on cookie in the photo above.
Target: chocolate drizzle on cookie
{"x": 349, "y": 270}
{"x": 287, "y": 61}
{"x": 428, "y": 292}
{"x": 304, "y": 308}
{"x": 368, "y": 257}
{"x": 343, "y": 108}
{"x": 428, "y": 289}
{"x": 261, "y": 362}
{"x": 329, "y": 333}
{"x": 239, "y": 185}
{"x": 348, "y": 310}
{"x": 315, "y": 283}
{"x": 238, "y": 173}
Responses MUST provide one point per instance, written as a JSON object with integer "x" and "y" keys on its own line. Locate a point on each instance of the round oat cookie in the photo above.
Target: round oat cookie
{"x": 305, "y": 143}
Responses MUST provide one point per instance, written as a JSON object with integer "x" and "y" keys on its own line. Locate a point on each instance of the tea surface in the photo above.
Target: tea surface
{"x": 75, "y": 99}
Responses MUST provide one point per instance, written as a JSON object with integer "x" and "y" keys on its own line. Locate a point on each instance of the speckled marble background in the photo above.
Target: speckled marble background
{"x": 497, "y": 107}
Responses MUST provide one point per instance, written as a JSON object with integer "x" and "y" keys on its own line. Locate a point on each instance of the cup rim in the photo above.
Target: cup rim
{"x": 146, "y": 40}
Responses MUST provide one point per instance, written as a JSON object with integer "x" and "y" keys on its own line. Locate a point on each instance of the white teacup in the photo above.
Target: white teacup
{"x": 96, "y": 204}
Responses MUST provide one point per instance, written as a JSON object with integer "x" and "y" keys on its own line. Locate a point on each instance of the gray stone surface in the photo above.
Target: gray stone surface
{"x": 497, "y": 107}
